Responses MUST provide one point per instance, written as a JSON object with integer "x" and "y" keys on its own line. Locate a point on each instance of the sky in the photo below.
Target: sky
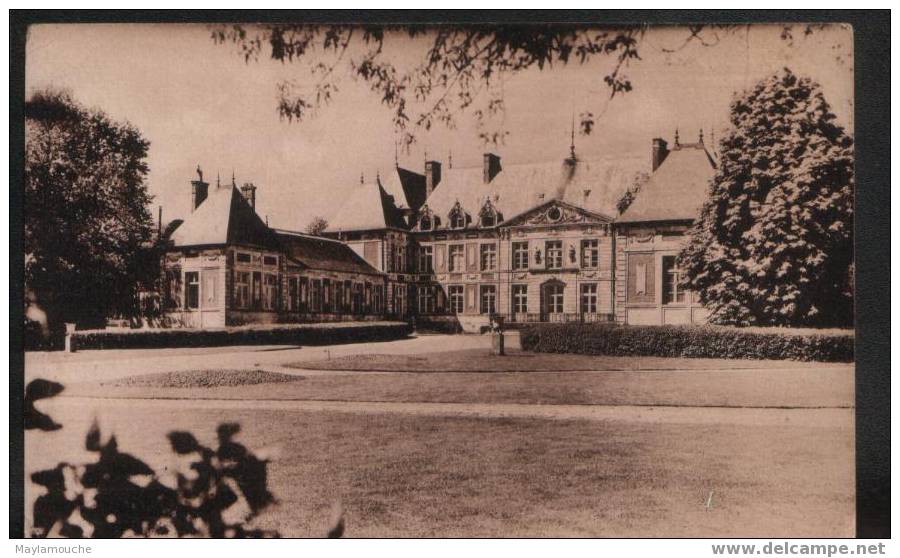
{"x": 200, "y": 103}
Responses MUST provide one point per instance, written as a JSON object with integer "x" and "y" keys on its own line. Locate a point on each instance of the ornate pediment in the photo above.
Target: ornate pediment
{"x": 557, "y": 213}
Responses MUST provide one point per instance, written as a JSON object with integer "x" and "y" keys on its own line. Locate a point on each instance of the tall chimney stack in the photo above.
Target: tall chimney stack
{"x": 491, "y": 167}
{"x": 432, "y": 176}
{"x": 199, "y": 190}
{"x": 659, "y": 153}
{"x": 248, "y": 190}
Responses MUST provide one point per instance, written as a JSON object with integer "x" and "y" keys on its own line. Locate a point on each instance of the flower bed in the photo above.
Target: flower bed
{"x": 690, "y": 341}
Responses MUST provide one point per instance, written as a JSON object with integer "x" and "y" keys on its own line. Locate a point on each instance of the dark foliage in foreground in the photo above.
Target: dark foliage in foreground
{"x": 34, "y": 391}
{"x": 119, "y": 495}
{"x": 687, "y": 341}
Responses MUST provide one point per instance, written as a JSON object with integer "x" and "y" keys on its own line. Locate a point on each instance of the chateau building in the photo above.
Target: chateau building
{"x": 539, "y": 242}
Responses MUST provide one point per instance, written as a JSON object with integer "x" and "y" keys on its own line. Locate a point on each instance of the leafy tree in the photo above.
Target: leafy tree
{"x": 455, "y": 67}
{"x": 317, "y": 226}
{"x": 774, "y": 242}
{"x": 87, "y": 224}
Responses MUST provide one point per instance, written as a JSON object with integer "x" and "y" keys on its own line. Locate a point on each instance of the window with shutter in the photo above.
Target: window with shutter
{"x": 472, "y": 257}
{"x": 641, "y": 278}
{"x": 440, "y": 251}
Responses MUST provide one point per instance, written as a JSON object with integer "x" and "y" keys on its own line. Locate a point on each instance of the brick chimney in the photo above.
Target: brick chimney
{"x": 491, "y": 166}
{"x": 659, "y": 153}
{"x": 248, "y": 190}
{"x": 199, "y": 190}
{"x": 432, "y": 176}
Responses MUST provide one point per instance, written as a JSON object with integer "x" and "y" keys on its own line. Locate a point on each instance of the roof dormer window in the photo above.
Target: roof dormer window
{"x": 426, "y": 223}
{"x": 458, "y": 217}
{"x": 488, "y": 216}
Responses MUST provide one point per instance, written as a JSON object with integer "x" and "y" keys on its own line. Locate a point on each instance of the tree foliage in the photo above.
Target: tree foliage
{"x": 317, "y": 226}
{"x": 774, "y": 242}
{"x": 428, "y": 75}
{"x": 86, "y": 210}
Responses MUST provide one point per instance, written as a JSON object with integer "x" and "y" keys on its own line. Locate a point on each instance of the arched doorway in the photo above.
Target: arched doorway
{"x": 552, "y": 300}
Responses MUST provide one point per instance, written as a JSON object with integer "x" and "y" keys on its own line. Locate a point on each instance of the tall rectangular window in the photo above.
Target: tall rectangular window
{"x": 270, "y": 295}
{"x": 672, "y": 291}
{"x": 315, "y": 295}
{"x": 293, "y": 295}
{"x": 242, "y": 289}
{"x": 488, "y": 299}
{"x": 589, "y": 298}
{"x": 488, "y": 257}
{"x": 520, "y": 255}
{"x": 426, "y": 299}
{"x": 256, "y": 290}
{"x": 520, "y": 299}
{"x": 303, "y": 287}
{"x": 378, "y": 301}
{"x": 426, "y": 259}
{"x": 641, "y": 274}
{"x": 191, "y": 290}
{"x": 457, "y": 258}
{"x": 358, "y": 298}
{"x": 457, "y": 298}
{"x": 326, "y": 295}
{"x": 555, "y": 299}
{"x": 590, "y": 253}
{"x": 554, "y": 254}
{"x": 401, "y": 259}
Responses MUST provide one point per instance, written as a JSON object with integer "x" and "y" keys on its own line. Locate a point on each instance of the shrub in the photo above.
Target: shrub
{"x": 689, "y": 341}
{"x": 307, "y": 334}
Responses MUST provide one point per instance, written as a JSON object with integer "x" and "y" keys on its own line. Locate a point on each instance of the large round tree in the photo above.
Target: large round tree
{"x": 86, "y": 218}
{"x": 774, "y": 242}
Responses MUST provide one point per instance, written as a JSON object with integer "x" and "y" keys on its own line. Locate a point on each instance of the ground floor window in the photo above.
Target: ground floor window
{"x": 555, "y": 299}
{"x": 426, "y": 299}
{"x": 242, "y": 289}
{"x": 672, "y": 291}
{"x": 520, "y": 299}
{"x": 378, "y": 300}
{"x": 327, "y": 295}
{"x": 315, "y": 295}
{"x": 256, "y": 290}
{"x": 191, "y": 290}
{"x": 589, "y": 298}
{"x": 293, "y": 295}
{"x": 304, "y": 294}
{"x": 488, "y": 299}
{"x": 357, "y": 298}
{"x": 270, "y": 292}
{"x": 457, "y": 300}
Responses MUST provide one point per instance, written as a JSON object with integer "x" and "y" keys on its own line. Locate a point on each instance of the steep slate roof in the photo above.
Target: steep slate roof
{"x": 406, "y": 186}
{"x": 225, "y": 217}
{"x": 678, "y": 188}
{"x": 368, "y": 207}
{"x": 593, "y": 185}
{"x": 315, "y": 252}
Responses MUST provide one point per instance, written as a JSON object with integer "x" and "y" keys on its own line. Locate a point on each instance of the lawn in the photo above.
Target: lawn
{"x": 804, "y": 386}
{"x": 481, "y": 360}
{"x": 398, "y": 475}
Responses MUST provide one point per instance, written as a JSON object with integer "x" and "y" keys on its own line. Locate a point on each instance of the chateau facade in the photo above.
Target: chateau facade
{"x": 544, "y": 242}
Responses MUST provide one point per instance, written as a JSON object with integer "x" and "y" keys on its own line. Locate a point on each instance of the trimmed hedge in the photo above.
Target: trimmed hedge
{"x": 299, "y": 334}
{"x": 688, "y": 341}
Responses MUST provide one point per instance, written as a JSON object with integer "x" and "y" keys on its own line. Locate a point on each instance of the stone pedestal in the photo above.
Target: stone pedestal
{"x": 70, "y": 341}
